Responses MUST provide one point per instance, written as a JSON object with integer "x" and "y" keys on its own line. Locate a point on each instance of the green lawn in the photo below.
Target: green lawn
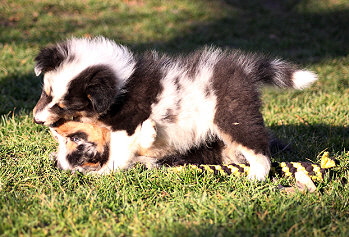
{"x": 36, "y": 199}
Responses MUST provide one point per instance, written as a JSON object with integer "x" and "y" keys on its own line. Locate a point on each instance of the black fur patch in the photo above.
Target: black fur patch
{"x": 238, "y": 106}
{"x": 58, "y": 123}
{"x": 209, "y": 153}
{"x": 134, "y": 107}
{"x": 266, "y": 72}
{"x": 60, "y": 112}
{"x": 92, "y": 91}
{"x": 191, "y": 63}
{"x": 81, "y": 156}
{"x": 51, "y": 57}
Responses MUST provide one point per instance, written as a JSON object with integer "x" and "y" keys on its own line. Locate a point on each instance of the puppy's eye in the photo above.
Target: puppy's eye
{"x": 57, "y": 108}
{"x": 78, "y": 137}
{"x": 75, "y": 139}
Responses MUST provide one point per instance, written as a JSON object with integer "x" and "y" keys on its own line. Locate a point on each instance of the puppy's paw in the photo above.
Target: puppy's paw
{"x": 259, "y": 169}
{"x": 147, "y": 134}
{"x": 259, "y": 164}
{"x": 258, "y": 176}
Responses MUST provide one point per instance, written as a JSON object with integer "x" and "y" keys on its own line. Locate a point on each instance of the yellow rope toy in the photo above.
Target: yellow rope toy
{"x": 314, "y": 171}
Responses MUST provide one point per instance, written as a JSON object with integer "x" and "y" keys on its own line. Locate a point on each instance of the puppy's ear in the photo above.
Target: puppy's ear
{"x": 50, "y": 58}
{"x": 102, "y": 89}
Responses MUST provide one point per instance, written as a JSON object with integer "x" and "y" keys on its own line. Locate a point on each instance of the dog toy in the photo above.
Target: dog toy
{"x": 314, "y": 171}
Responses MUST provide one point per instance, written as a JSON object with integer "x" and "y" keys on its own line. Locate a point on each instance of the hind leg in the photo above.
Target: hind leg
{"x": 239, "y": 123}
{"x": 238, "y": 152}
{"x": 259, "y": 163}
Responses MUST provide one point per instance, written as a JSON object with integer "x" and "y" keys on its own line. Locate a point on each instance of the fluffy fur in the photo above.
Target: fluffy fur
{"x": 207, "y": 95}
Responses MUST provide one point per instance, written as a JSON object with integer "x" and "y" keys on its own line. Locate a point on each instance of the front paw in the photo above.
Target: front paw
{"x": 147, "y": 134}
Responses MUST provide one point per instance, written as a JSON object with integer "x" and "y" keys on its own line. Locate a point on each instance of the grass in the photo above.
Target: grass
{"x": 38, "y": 200}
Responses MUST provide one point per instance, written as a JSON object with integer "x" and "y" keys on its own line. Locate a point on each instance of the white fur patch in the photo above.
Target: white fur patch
{"x": 61, "y": 157}
{"x": 186, "y": 96}
{"x": 147, "y": 134}
{"x": 44, "y": 114}
{"x": 259, "y": 164}
{"x": 84, "y": 53}
{"x": 123, "y": 148}
{"x": 121, "y": 152}
{"x": 303, "y": 79}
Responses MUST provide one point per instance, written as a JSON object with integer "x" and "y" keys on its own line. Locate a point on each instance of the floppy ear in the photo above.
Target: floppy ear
{"x": 50, "y": 58}
{"x": 102, "y": 89}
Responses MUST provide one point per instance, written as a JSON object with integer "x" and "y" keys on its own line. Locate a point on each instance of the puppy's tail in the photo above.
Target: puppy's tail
{"x": 280, "y": 73}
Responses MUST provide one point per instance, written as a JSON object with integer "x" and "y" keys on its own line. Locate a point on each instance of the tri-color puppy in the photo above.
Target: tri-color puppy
{"x": 208, "y": 94}
{"x": 85, "y": 147}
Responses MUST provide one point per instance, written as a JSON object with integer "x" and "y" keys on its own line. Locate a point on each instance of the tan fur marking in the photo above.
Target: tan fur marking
{"x": 230, "y": 153}
{"x": 47, "y": 90}
{"x": 90, "y": 164}
{"x": 61, "y": 105}
{"x": 96, "y": 134}
{"x": 71, "y": 146}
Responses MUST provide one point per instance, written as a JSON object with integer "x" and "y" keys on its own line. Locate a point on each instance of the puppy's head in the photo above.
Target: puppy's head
{"x": 82, "y": 78}
{"x": 82, "y": 146}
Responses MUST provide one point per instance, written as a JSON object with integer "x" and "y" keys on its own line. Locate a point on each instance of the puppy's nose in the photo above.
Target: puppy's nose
{"x": 38, "y": 121}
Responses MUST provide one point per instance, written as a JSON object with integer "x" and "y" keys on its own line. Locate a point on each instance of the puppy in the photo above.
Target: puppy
{"x": 86, "y": 147}
{"x": 192, "y": 99}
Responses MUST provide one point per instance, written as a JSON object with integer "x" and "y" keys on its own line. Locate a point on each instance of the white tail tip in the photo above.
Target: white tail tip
{"x": 302, "y": 79}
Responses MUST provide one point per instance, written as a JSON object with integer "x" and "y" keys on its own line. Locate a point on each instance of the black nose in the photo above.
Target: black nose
{"x": 38, "y": 121}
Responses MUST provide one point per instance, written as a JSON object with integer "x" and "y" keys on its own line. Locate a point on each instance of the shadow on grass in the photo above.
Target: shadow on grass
{"x": 269, "y": 26}
{"x": 19, "y": 92}
{"x": 283, "y": 28}
{"x": 307, "y": 142}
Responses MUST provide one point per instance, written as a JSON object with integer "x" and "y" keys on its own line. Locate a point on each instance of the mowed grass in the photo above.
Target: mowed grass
{"x": 36, "y": 199}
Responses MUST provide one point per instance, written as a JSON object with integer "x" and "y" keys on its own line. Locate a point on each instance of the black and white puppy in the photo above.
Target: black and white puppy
{"x": 209, "y": 94}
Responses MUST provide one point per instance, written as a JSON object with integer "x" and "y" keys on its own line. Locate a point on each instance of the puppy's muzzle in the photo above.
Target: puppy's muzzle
{"x": 38, "y": 121}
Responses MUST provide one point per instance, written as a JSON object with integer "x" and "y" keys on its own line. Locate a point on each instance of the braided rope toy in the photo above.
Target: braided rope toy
{"x": 314, "y": 171}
